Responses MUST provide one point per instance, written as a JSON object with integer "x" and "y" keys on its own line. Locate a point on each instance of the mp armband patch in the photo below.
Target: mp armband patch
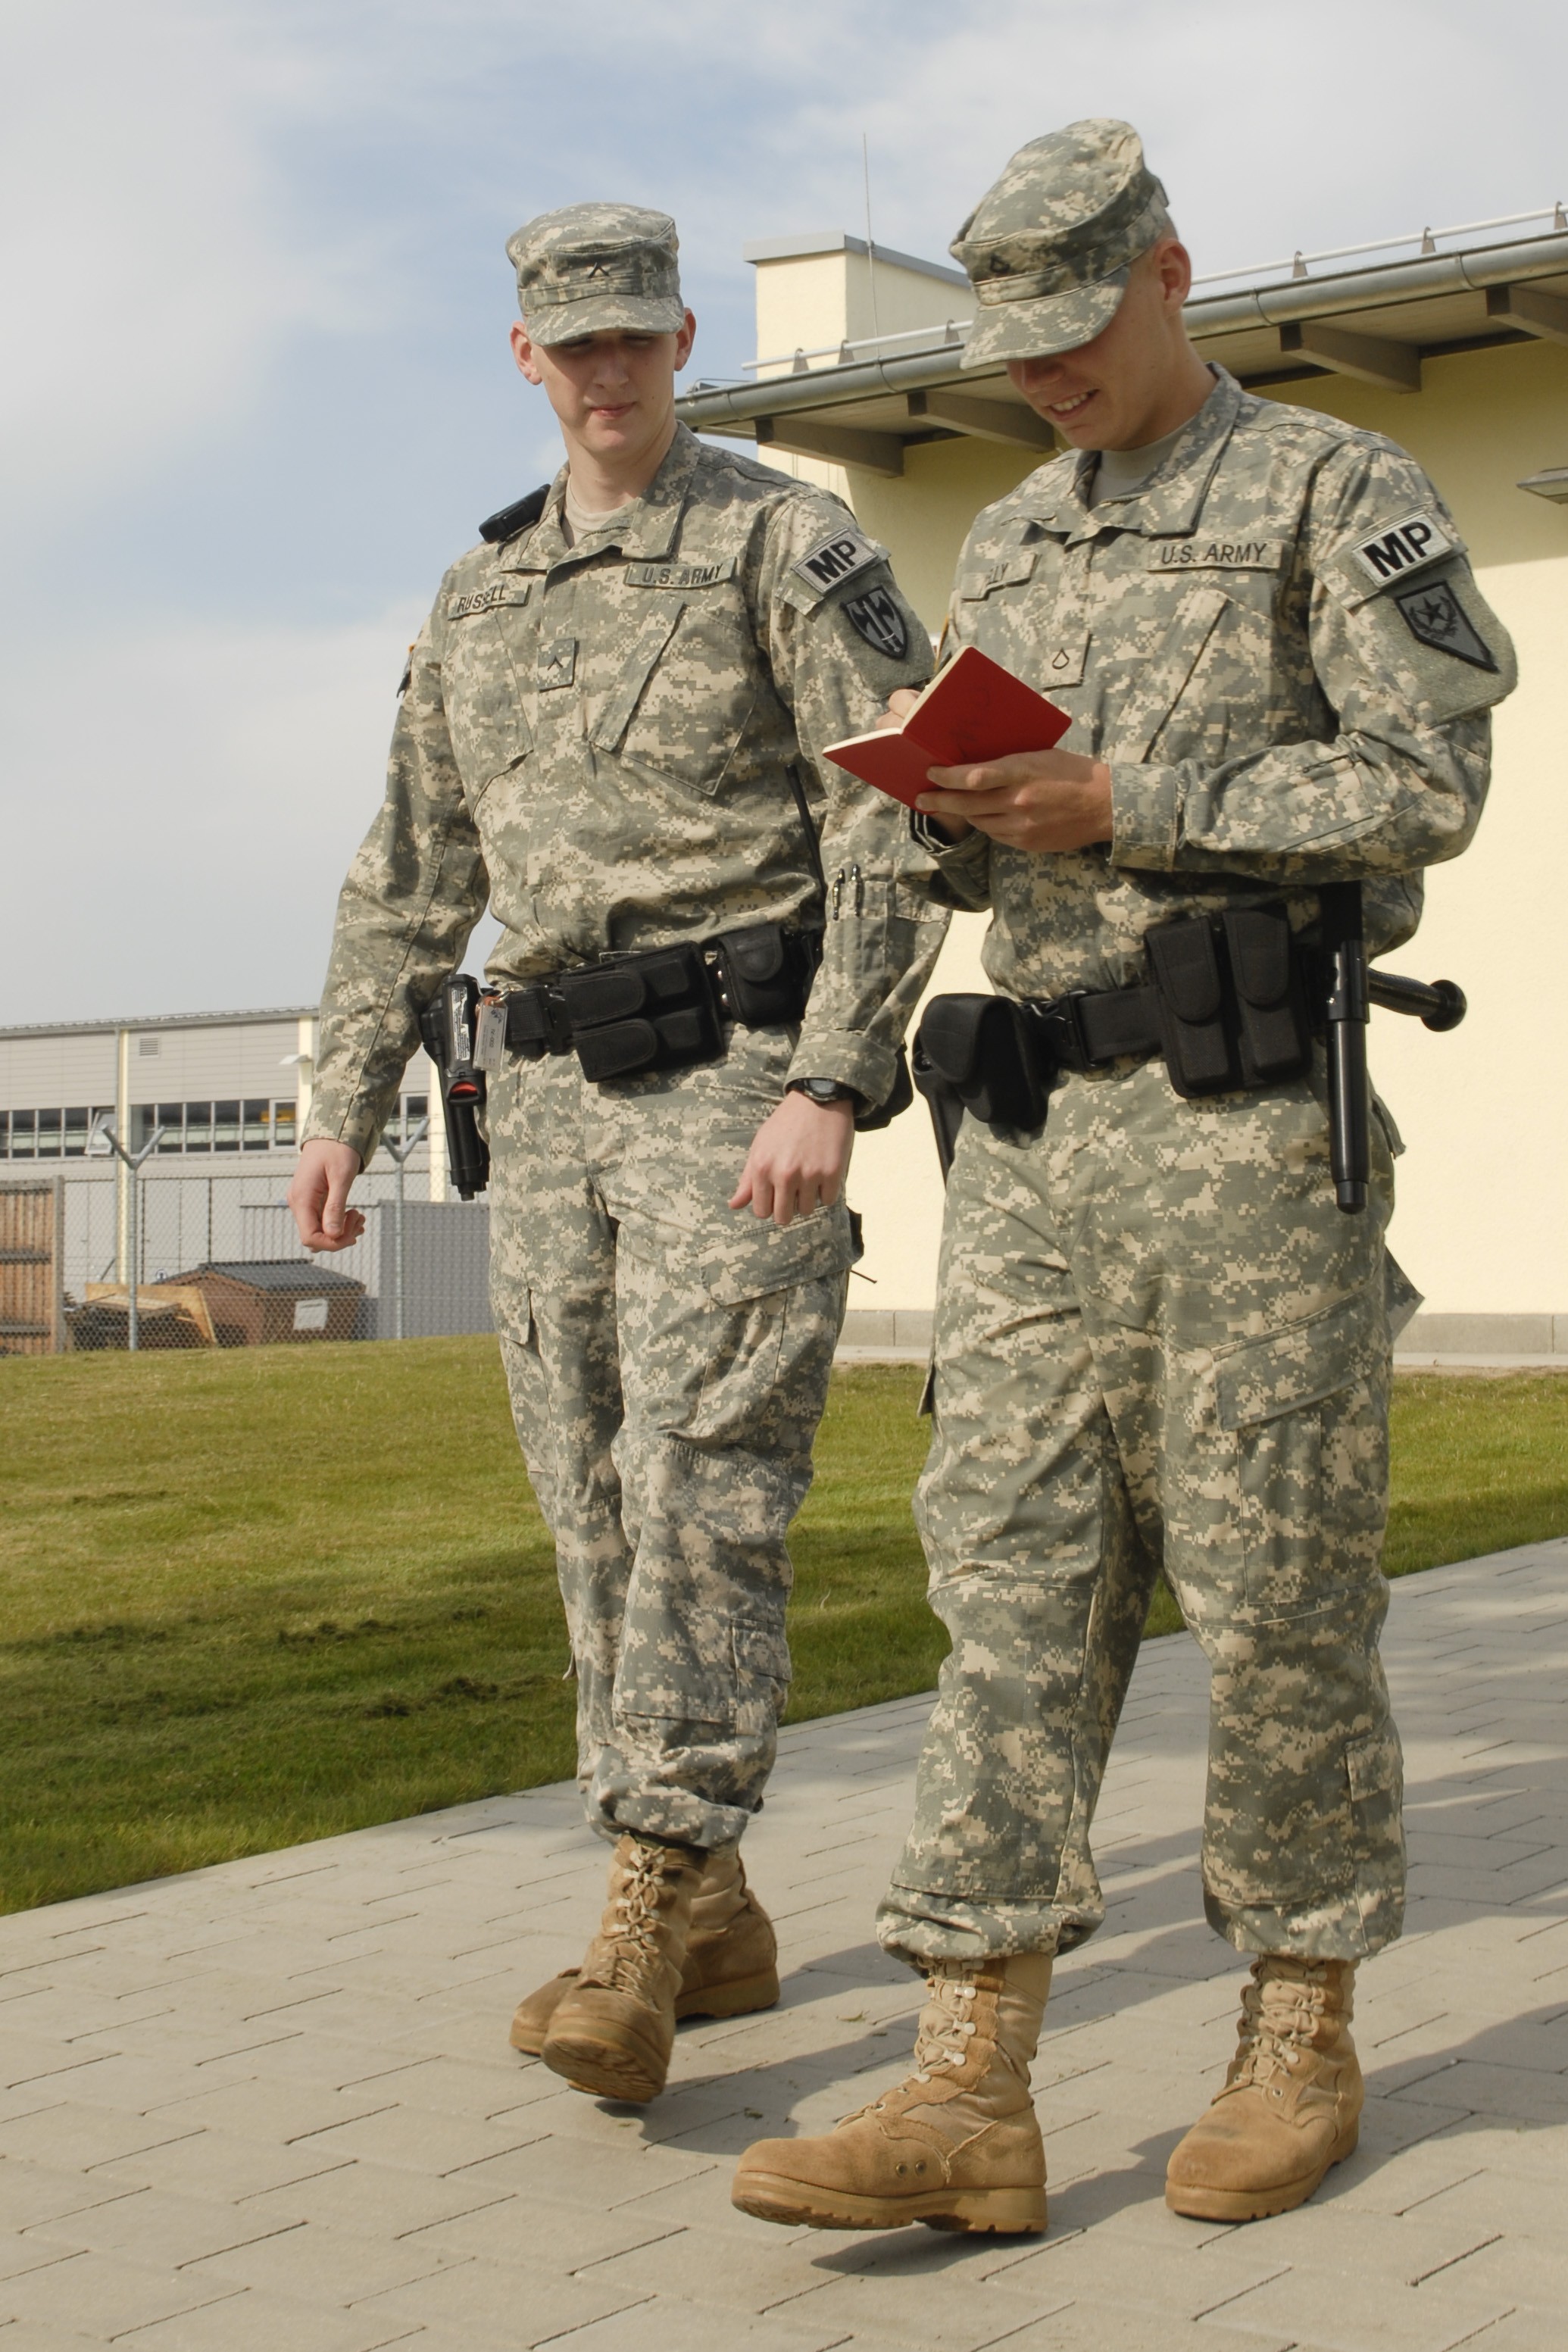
{"x": 834, "y": 560}
{"x": 1403, "y": 547}
{"x": 877, "y": 618}
{"x": 1436, "y": 617}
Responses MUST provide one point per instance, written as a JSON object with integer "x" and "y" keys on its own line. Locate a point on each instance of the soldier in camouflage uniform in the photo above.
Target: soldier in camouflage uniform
{"x": 1159, "y": 1344}
{"x": 611, "y": 733}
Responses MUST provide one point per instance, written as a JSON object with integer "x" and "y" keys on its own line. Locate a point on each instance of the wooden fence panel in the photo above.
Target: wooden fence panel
{"x": 32, "y": 1288}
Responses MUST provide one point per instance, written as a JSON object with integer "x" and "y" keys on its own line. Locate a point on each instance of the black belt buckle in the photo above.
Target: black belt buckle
{"x": 1059, "y": 1025}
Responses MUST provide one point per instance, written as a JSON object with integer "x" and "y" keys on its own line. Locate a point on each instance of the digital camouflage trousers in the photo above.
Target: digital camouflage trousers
{"x": 1159, "y": 1345}
{"x": 667, "y": 1359}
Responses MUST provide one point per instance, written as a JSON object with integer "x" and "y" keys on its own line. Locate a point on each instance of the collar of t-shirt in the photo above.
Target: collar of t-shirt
{"x": 581, "y": 522}
{"x": 1121, "y": 473}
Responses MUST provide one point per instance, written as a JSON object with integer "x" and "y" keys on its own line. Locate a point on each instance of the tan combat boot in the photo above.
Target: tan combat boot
{"x": 955, "y": 2145}
{"x": 1291, "y": 2103}
{"x": 731, "y": 1957}
{"x": 613, "y": 2030}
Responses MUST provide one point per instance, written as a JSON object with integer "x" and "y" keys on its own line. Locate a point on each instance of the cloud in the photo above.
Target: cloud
{"x": 257, "y": 394}
{"x": 206, "y": 785}
{"x": 152, "y": 269}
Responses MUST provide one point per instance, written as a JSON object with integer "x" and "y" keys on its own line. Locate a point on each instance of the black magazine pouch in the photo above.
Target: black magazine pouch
{"x": 1189, "y": 987}
{"x": 982, "y": 1048}
{"x": 1274, "y": 1032}
{"x": 653, "y": 1012}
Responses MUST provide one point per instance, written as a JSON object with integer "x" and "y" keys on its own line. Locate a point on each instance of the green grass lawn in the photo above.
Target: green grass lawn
{"x": 265, "y": 1595}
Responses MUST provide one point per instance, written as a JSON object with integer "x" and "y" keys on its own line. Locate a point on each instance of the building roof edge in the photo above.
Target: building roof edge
{"x": 250, "y": 1017}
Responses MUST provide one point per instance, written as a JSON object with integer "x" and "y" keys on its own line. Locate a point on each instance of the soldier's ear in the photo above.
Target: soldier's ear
{"x": 685, "y": 336}
{"x": 522, "y": 352}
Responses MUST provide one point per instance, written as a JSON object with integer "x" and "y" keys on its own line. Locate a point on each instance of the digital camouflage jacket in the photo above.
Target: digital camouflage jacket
{"x": 596, "y": 740}
{"x": 1277, "y": 646}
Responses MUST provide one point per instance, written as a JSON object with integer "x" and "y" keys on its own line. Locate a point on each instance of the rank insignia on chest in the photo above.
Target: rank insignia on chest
{"x": 1436, "y": 618}
{"x": 557, "y": 663}
{"x": 879, "y": 622}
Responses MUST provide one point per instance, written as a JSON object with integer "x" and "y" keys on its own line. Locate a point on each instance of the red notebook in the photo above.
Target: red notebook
{"x": 972, "y": 710}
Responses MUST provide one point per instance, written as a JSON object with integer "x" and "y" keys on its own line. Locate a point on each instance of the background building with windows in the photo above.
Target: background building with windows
{"x": 1455, "y": 344}
{"x": 225, "y": 1095}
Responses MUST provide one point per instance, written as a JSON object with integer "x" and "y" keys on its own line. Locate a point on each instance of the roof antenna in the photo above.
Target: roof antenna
{"x": 870, "y": 241}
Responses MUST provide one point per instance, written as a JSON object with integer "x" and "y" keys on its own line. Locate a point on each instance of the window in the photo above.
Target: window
{"x": 254, "y": 1124}
{"x": 406, "y": 1118}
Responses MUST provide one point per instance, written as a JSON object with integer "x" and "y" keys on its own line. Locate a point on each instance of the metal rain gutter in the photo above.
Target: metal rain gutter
{"x": 1219, "y": 314}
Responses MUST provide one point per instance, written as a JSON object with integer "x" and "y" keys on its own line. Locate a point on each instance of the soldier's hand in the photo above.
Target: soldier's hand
{"x": 1032, "y": 800}
{"x": 798, "y": 1159}
{"x": 901, "y": 702}
{"x": 319, "y": 1196}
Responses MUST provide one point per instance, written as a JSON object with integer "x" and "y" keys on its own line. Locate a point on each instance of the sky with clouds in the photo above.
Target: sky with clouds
{"x": 257, "y": 391}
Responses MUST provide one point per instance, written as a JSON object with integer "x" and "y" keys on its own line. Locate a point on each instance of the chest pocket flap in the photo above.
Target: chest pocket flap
{"x": 615, "y": 715}
{"x": 1173, "y": 657}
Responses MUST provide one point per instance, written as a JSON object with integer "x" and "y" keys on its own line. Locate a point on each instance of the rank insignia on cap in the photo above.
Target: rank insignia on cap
{"x": 836, "y": 559}
{"x": 1436, "y": 618}
{"x": 880, "y": 623}
{"x": 1419, "y": 538}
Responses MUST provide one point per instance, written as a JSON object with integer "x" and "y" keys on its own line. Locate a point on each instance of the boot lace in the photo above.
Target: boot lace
{"x": 1280, "y": 2020}
{"x": 946, "y": 2030}
{"x": 635, "y": 1904}
{"x": 947, "y": 2024}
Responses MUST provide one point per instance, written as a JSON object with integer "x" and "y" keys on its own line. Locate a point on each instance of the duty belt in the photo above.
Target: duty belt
{"x": 663, "y": 1008}
{"x": 1226, "y": 1003}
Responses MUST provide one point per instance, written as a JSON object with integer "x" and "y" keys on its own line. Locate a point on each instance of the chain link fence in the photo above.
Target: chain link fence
{"x": 218, "y": 1264}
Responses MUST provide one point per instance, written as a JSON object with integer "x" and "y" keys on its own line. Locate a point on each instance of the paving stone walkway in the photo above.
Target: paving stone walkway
{"x": 270, "y": 2107}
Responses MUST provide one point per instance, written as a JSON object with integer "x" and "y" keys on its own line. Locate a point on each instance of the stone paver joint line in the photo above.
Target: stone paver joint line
{"x": 205, "y": 2048}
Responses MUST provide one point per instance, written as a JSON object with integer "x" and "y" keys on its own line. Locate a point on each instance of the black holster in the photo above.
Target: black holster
{"x": 765, "y": 972}
{"x": 983, "y": 1051}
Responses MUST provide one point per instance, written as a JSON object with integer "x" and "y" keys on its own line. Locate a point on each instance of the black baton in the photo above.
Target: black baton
{"x": 1351, "y": 992}
{"x": 1347, "y": 1012}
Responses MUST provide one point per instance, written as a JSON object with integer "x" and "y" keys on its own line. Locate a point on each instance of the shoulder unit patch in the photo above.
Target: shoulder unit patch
{"x": 1436, "y": 617}
{"x": 836, "y": 559}
{"x": 877, "y": 617}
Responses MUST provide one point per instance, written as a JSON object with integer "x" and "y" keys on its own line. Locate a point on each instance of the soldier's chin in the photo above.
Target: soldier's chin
{"x": 1080, "y": 423}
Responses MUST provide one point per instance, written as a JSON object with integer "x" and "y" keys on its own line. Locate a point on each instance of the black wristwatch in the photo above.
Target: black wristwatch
{"x": 821, "y": 1090}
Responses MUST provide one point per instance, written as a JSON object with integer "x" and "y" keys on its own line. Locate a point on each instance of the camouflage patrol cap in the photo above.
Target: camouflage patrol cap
{"x": 1049, "y": 248}
{"x": 593, "y": 268}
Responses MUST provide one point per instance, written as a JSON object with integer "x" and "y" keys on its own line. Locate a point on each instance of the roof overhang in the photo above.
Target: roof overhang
{"x": 1378, "y": 325}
